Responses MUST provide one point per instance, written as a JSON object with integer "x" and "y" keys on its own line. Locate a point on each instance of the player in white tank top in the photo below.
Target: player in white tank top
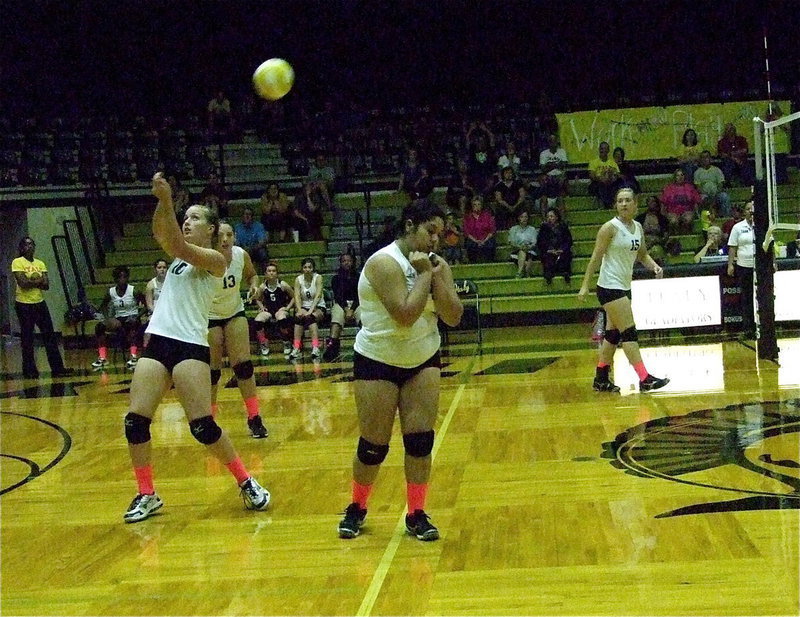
{"x": 619, "y": 244}
{"x": 397, "y": 370}
{"x": 310, "y": 308}
{"x": 122, "y": 303}
{"x": 229, "y": 332}
{"x": 178, "y": 352}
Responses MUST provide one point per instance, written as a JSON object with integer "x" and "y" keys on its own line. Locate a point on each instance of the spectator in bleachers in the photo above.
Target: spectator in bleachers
{"x": 710, "y": 182}
{"x": 275, "y": 299}
{"x": 553, "y": 162}
{"x": 345, "y": 309}
{"x": 713, "y": 245}
{"x": 121, "y": 305}
{"x": 481, "y": 160}
{"x": 215, "y": 195}
{"x": 424, "y": 185}
{"x": 733, "y": 150}
{"x": 220, "y": 118}
{"x": 509, "y": 158}
{"x": 680, "y": 201}
{"x": 603, "y": 175}
{"x": 153, "y": 290}
{"x": 554, "y": 244}
{"x": 523, "y": 238}
{"x": 655, "y": 228}
{"x": 509, "y": 195}
{"x": 276, "y": 215}
{"x": 452, "y": 240}
{"x": 479, "y": 232}
{"x": 409, "y": 173}
{"x": 252, "y": 237}
{"x": 736, "y": 216}
{"x": 627, "y": 178}
{"x": 459, "y": 189}
{"x": 324, "y": 175}
{"x": 309, "y": 308}
{"x": 689, "y": 153}
{"x": 307, "y": 211}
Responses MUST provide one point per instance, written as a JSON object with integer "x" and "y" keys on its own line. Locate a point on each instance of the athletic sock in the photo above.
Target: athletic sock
{"x": 315, "y": 342}
{"x": 416, "y": 494}
{"x": 236, "y": 467}
{"x": 134, "y": 351}
{"x": 298, "y": 343}
{"x": 251, "y": 404}
{"x": 361, "y": 493}
{"x": 261, "y": 337}
{"x": 214, "y": 410}
{"x": 144, "y": 479}
{"x": 641, "y": 371}
{"x": 102, "y": 353}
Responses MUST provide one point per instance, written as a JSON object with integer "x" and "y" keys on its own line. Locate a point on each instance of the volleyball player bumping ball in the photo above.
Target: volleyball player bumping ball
{"x": 402, "y": 290}
{"x": 178, "y": 352}
{"x": 229, "y": 332}
{"x": 620, "y": 242}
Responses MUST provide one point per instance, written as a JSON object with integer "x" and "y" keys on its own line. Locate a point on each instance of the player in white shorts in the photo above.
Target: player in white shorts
{"x": 178, "y": 352}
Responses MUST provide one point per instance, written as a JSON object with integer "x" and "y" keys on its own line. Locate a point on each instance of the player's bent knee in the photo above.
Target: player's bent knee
{"x": 612, "y": 336}
{"x": 137, "y": 428}
{"x": 215, "y": 376}
{"x": 371, "y": 453}
{"x": 418, "y": 445}
{"x": 243, "y": 370}
{"x": 205, "y": 430}
{"x": 629, "y": 336}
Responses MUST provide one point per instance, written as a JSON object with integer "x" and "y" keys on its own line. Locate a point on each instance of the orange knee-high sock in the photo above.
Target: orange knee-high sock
{"x": 641, "y": 371}
{"x": 236, "y": 467}
{"x": 251, "y": 404}
{"x": 134, "y": 350}
{"x": 416, "y": 494}
{"x": 144, "y": 479}
{"x": 261, "y": 337}
{"x": 361, "y": 493}
{"x": 102, "y": 353}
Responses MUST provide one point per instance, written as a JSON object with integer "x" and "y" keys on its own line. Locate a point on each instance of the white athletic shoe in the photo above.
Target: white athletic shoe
{"x": 131, "y": 363}
{"x": 142, "y": 507}
{"x": 264, "y": 349}
{"x": 294, "y": 354}
{"x": 255, "y": 496}
{"x": 287, "y": 350}
{"x": 315, "y": 352}
{"x": 99, "y": 363}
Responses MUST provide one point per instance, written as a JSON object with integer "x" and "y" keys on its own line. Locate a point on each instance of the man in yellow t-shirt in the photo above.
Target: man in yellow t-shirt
{"x": 30, "y": 275}
{"x": 603, "y": 175}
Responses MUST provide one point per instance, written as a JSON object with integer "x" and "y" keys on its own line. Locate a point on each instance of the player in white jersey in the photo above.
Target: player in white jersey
{"x": 620, "y": 243}
{"x": 403, "y": 290}
{"x": 309, "y": 308}
{"x": 121, "y": 305}
{"x": 153, "y": 290}
{"x": 178, "y": 352}
{"x": 229, "y": 332}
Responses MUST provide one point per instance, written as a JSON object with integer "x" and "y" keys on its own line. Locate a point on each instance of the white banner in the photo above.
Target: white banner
{"x": 684, "y": 302}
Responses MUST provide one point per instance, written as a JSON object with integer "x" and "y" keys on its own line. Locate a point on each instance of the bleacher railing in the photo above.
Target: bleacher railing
{"x": 67, "y": 269}
{"x": 81, "y": 260}
{"x": 92, "y": 243}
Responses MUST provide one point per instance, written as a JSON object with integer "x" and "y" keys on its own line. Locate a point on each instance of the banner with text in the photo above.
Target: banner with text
{"x": 656, "y": 132}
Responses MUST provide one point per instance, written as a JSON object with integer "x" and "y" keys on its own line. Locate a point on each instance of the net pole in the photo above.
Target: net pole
{"x": 764, "y": 283}
{"x": 757, "y": 144}
{"x": 766, "y": 70}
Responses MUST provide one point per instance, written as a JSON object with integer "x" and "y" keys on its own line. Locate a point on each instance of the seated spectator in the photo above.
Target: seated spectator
{"x": 554, "y": 245}
{"x": 220, "y": 119}
{"x": 655, "y": 228}
{"x": 732, "y": 149}
{"x": 713, "y": 246}
{"x": 508, "y": 197}
{"x": 345, "y": 309}
{"x": 481, "y": 161}
{"x": 310, "y": 308}
{"x": 324, "y": 175}
{"x": 153, "y": 290}
{"x": 509, "y": 158}
{"x": 424, "y": 185}
{"x": 275, "y": 299}
{"x": 522, "y": 238}
{"x": 680, "y": 201}
{"x": 627, "y": 179}
{"x": 452, "y": 240}
{"x": 479, "y": 232}
{"x": 307, "y": 211}
{"x": 215, "y": 195}
{"x": 710, "y": 181}
{"x": 553, "y": 162}
{"x": 252, "y": 237}
{"x": 689, "y": 153}
{"x": 409, "y": 173}
{"x": 603, "y": 176}
{"x": 121, "y": 307}
{"x": 459, "y": 189}
{"x": 276, "y": 215}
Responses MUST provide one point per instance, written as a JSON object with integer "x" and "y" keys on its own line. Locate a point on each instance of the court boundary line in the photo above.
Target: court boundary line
{"x": 378, "y": 578}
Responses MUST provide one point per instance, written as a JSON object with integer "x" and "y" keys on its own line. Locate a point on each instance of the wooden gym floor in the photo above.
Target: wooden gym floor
{"x": 551, "y": 499}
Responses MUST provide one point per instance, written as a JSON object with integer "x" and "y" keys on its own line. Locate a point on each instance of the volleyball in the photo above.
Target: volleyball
{"x": 273, "y": 78}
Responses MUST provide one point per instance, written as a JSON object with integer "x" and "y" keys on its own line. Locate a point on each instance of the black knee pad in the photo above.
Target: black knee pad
{"x": 612, "y": 336}
{"x": 629, "y": 336}
{"x": 205, "y": 430}
{"x": 215, "y": 376}
{"x": 418, "y": 445}
{"x": 137, "y": 428}
{"x": 371, "y": 453}
{"x": 243, "y": 370}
